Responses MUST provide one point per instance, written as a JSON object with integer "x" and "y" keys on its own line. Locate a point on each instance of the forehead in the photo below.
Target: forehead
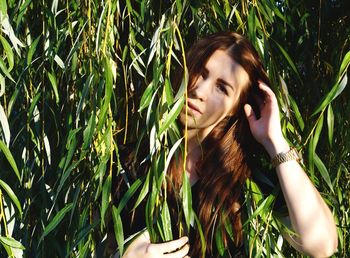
{"x": 223, "y": 66}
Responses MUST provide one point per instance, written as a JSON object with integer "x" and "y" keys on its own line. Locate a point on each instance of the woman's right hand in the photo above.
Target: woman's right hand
{"x": 142, "y": 247}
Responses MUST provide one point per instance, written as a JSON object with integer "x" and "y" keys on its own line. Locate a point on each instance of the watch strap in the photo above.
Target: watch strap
{"x": 282, "y": 157}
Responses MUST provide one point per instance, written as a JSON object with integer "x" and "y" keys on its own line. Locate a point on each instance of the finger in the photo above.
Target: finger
{"x": 268, "y": 93}
{"x": 179, "y": 253}
{"x": 142, "y": 238}
{"x": 172, "y": 245}
{"x": 249, "y": 112}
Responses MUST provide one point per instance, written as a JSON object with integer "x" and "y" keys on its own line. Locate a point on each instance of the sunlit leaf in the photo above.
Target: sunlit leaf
{"x": 330, "y": 124}
{"x": 9, "y": 241}
{"x": 53, "y": 81}
{"x": 323, "y": 171}
{"x": 12, "y": 195}
{"x": 5, "y": 126}
{"x": 166, "y": 222}
{"x": 332, "y": 94}
{"x": 172, "y": 115}
{"x": 5, "y": 70}
{"x": 9, "y": 53}
{"x": 187, "y": 199}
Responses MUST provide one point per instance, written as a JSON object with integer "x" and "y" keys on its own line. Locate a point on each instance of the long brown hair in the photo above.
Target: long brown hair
{"x": 228, "y": 150}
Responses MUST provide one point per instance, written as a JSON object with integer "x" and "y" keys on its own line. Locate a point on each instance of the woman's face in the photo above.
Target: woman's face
{"x": 215, "y": 92}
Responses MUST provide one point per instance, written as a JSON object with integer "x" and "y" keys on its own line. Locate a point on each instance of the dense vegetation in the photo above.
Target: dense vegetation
{"x": 81, "y": 79}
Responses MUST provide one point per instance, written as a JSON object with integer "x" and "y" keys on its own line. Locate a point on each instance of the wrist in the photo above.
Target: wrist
{"x": 276, "y": 145}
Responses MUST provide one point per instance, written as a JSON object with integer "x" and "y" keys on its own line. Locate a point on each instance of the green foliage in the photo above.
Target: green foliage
{"x": 79, "y": 79}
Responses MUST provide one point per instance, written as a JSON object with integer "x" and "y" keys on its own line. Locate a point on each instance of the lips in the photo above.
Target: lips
{"x": 193, "y": 107}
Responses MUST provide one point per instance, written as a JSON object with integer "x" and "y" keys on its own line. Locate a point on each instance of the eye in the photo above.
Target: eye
{"x": 222, "y": 88}
{"x": 204, "y": 74}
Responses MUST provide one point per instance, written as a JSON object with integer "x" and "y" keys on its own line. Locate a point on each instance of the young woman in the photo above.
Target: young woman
{"x": 229, "y": 106}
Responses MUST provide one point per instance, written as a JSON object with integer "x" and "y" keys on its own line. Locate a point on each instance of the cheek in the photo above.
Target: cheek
{"x": 221, "y": 110}
{"x": 230, "y": 107}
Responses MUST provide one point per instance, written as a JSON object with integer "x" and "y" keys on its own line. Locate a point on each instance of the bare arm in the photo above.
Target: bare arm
{"x": 310, "y": 216}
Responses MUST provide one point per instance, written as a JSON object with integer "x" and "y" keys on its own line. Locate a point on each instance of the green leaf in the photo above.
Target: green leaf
{"x": 33, "y": 104}
{"x": 289, "y": 59}
{"x": 146, "y": 97}
{"x": 9, "y": 241}
{"x": 133, "y": 188}
{"x": 168, "y": 92}
{"x": 125, "y": 52}
{"x": 317, "y": 133}
{"x": 175, "y": 146}
{"x": 187, "y": 199}
{"x": 5, "y": 126}
{"x": 5, "y": 71}
{"x": 2, "y": 85}
{"x": 219, "y": 241}
{"x": 22, "y": 10}
{"x": 143, "y": 192}
{"x": 89, "y": 132}
{"x": 262, "y": 209}
{"x": 83, "y": 233}
{"x": 201, "y": 234}
{"x": 8, "y": 51}
{"x": 106, "y": 197}
{"x": 334, "y": 92}
{"x": 323, "y": 171}
{"x": 77, "y": 194}
{"x": 71, "y": 146}
{"x": 108, "y": 76}
{"x": 10, "y": 159}
{"x": 154, "y": 47}
{"x": 297, "y": 113}
{"x": 311, "y": 161}
{"x": 171, "y": 116}
{"x": 166, "y": 222}
{"x": 84, "y": 93}
{"x": 55, "y": 221}
{"x": 12, "y": 196}
{"x": 118, "y": 230}
{"x": 53, "y": 81}
{"x": 150, "y": 205}
{"x": 59, "y": 61}
{"x": 3, "y": 7}
{"x": 179, "y": 7}
{"x": 32, "y": 49}
{"x": 251, "y": 24}
{"x": 344, "y": 64}
{"x": 330, "y": 124}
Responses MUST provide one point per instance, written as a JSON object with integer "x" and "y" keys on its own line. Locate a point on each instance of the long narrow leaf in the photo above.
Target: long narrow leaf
{"x": 10, "y": 158}
{"x": 12, "y": 196}
{"x": 55, "y": 221}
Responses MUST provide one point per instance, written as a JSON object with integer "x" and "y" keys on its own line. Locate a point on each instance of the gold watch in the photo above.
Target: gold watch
{"x": 282, "y": 157}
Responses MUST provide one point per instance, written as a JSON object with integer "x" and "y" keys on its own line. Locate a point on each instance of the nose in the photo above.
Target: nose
{"x": 200, "y": 90}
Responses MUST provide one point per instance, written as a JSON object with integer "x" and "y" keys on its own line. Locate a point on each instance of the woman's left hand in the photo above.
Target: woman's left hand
{"x": 267, "y": 129}
{"x": 318, "y": 238}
